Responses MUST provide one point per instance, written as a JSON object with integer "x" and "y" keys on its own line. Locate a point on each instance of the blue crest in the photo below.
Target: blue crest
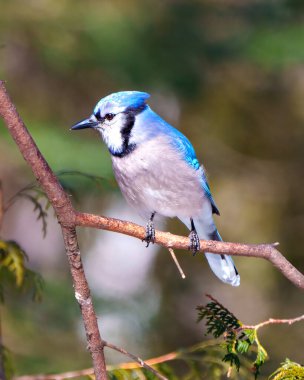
{"x": 122, "y": 99}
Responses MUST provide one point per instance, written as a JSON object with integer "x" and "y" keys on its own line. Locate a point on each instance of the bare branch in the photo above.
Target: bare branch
{"x": 66, "y": 216}
{"x": 153, "y": 361}
{"x": 168, "y": 240}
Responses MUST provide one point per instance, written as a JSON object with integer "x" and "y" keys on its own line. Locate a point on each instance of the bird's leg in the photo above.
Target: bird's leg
{"x": 194, "y": 242}
{"x": 150, "y": 231}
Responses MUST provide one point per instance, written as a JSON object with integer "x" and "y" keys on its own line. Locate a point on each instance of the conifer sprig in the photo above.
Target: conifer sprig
{"x": 238, "y": 340}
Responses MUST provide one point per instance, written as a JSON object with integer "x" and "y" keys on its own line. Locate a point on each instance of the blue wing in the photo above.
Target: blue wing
{"x": 206, "y": 188}
{"x": 185, "y": 147}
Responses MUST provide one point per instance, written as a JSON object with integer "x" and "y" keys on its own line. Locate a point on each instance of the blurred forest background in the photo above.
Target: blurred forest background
{"x": 230, "y": 75}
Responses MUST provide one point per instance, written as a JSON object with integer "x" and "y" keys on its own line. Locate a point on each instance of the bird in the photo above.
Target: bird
{"x": 158, "y": 173}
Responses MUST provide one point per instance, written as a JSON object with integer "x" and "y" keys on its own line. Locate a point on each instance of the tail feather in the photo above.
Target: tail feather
{"x": 221, "y": 265}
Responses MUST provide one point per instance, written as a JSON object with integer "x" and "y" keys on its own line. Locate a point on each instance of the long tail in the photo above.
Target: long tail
{"x": 222, "y": 265}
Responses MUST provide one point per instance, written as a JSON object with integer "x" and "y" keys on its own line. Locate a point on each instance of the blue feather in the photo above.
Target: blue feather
{"x": 148, "y": 180}
{"x": 123, "y": 99}
{"x": 183, "y": 145}
{"x": 207, "y": 191}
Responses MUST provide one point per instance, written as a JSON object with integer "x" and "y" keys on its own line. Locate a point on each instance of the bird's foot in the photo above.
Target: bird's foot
{"x": 194, "y": 242}
{"x": 150, "y": 233}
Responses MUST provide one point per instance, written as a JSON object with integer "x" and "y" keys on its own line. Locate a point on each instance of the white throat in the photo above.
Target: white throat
{"x": 117, "y": 133}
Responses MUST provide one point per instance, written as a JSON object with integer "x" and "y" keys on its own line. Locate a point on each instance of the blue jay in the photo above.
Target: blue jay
{"x": 157, "y": 171}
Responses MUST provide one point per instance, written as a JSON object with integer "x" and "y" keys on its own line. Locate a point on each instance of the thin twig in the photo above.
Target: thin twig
{"x": 230, "y": 369}
{"x": 170, "y": 356}
{"x": 137, "y": 359}
{"x": 160, "y": 359}
{"x": 9, "y": 203}
{"x": 180, "y": 269}
{"x": 272, "y": 321}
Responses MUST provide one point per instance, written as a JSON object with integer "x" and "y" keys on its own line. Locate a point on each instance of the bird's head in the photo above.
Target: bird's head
{"x": 114, "y": 117}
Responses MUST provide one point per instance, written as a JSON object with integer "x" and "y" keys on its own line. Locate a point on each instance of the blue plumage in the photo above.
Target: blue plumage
{"x": 182, "y": 144}
{"x": 123, "y": 99}
{"x": 158, "y": 172}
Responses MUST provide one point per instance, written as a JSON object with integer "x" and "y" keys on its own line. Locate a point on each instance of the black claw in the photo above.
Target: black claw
{"x": 150, "y": 232}
{"x": 194, "y": 242}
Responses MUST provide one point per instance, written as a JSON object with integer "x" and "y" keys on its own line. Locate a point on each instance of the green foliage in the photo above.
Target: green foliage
{"x": 288, "y": 371}
{"x": 238, "y": 340}
{"x": 12, "y": 259}
{"x": 13, "y": 271}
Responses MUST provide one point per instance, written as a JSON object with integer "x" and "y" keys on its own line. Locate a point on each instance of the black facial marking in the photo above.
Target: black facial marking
{"x": 130, "y": 114}
{"x": 124, "y": 152}
{"x": 98, "y": 115}
{"x": 126, "y": 130}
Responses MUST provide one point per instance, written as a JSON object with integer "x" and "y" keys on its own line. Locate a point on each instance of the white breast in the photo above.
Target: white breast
{"x": 155, "y": 178}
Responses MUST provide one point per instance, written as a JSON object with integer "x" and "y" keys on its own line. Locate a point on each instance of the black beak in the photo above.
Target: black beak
{"x": 86, "y": 123}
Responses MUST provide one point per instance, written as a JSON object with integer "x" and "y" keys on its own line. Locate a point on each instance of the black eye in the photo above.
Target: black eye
{"x": 109, "y": 116}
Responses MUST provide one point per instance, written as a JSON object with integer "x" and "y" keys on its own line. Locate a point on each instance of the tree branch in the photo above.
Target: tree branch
{"x": 66, "y": 216}
{"x": 69, "y": 219}
{"x": 168, "y": 240}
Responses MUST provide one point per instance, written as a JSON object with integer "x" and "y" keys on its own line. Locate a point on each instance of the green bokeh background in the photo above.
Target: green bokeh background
{"x": 230, "y": 75}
